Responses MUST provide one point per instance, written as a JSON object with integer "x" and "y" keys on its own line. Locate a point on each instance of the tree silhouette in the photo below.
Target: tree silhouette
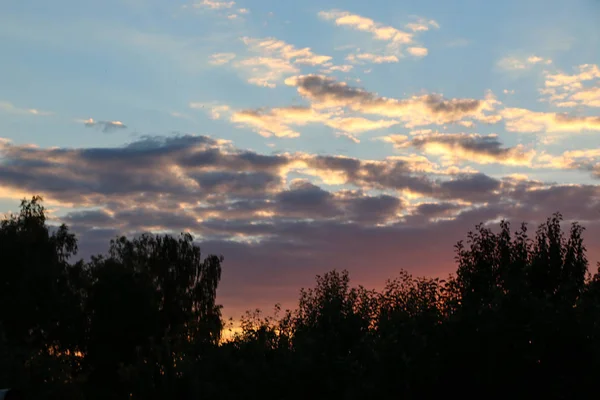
{"x": 520, "y": 317}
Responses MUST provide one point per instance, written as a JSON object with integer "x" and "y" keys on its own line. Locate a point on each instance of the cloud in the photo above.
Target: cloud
{"x": 348, "y": 136}
{"x": 190, "y": 169}
{"x": 105, "y": 126}
{"x": 357, "y": 22}
{"x": 522, "y": 63}
{"x": 286, "y": 51}
{"x": 326, "y": 92}
{"x": 589, "y": 97}
{"x": 221, "y": 58}
{"x": 12, "y": 109}
{"x": 583, "y": 160}
{"x": 467, "y": 147}
{"x": 214, "y": 4}
{"x": 417, "y": 51}
{"x": 277, "y": 59}
{"x": 214, "y": 110}
{"x": 573, "y": 90}
{"x": 394, "y": 38}
{"x": 370, "y": 57}
{"x": 246, "y": 205}
{"x": 278, "y": 122}
{"x": 358, "y": 124}
{"x": 523, "y": 120}
{"x": 337, "y": 68}
{"x": 275, "y": 122}
{"x": 422, "y": 25}
{"x": 586, "y": 72}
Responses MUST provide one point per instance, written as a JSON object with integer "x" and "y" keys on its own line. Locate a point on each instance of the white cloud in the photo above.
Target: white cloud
{"x": 214, "y": 4}
{"x": 513, "y": 63}
{"x": 12, "y": 109}
{"x": 422, "y": 25}
{"x": 370, "y": 57}
{"x": 221, "y": 58}
{"x": 395, "y": 39}
{"x": 417, "y": 51}
{"x": 379, "y": 31}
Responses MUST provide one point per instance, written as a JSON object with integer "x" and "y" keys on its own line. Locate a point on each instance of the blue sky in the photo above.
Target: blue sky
{"x": 481, "y": 109}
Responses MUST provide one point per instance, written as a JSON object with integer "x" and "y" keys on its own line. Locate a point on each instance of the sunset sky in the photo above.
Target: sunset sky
{"x": 295, "y": 137}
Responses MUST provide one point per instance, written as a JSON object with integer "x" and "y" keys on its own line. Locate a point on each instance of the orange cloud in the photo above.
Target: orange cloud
{"x": 466, "y": 147}
{"x": 325, "y": 92}
{"x": 523, "y": 120}
{"x": 277, "y": 59}
{"x": 568, "y": 90}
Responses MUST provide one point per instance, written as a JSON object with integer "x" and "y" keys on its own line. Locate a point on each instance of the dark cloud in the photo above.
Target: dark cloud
{"x": 196, "y": 168}
{"x": 275, "y": 233}
{"x": 305, "y": 200}
{"x": 470, "y": 187}
{"x": 437, "y": 104}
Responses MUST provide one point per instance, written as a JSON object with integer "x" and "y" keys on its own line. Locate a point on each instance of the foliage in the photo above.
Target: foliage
{"x": 521, "y": 315}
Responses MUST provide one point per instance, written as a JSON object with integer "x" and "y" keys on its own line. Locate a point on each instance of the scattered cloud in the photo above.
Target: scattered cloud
{"x": 357, "y": 22}
{"x": 395, "y": 39}
{"x": 370, "y": 57}
{"x": 221, "y": 58}
{"x": 422, "y": 25}
{"x": 277, "y": 59}
{"x": 12, "y": 109}
{"x": 512, "y": 63}
{"x": 417, "y": 51}
{"x": 214, "y": 4}
{"x": 105, "y": 126}
{"x": 573, "y": 90}
{"x": 348, "y": 136}
{"x": 214, "y": 110}
{"x": 337, "y": 68}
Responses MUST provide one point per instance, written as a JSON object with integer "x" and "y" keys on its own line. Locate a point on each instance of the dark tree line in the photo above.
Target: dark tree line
{"x": 519, "y": 318}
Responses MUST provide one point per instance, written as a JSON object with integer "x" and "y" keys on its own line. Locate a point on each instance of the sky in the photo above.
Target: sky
{"x": 295, "y": 137}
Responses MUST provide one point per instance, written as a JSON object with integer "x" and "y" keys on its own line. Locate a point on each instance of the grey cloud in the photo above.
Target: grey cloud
{"x": 307, "y": 200}
{"x": 470, "y": 187}
{"x": 374, "y": 208}
{"x": 438, "y": 104}
{"x": 105, "y": 126}
{"x": 237, "y": 183}
{"x": 194, "y": 169}
{"x": 480, "y": 144}
{"x": 432, "y": 210}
